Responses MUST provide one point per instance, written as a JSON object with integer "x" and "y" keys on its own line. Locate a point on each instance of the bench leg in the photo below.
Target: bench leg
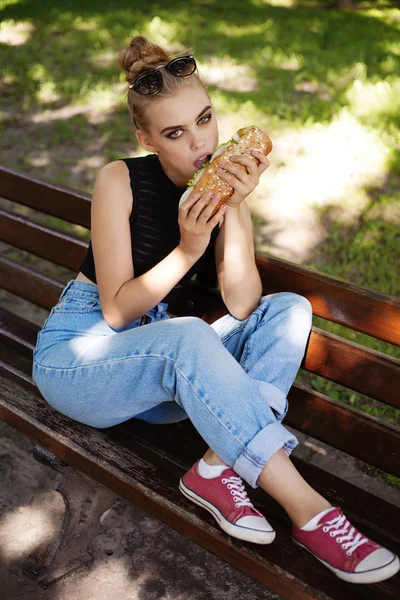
{"x": 69, "y": 550}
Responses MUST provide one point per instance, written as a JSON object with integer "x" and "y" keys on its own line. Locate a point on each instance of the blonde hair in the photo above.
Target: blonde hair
{"x": 140, "y": 56}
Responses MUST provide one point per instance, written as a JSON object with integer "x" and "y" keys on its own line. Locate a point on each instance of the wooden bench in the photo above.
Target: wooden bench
{"x": 143, "y": 462}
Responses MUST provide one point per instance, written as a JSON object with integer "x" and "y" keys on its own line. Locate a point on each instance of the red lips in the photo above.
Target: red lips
{"x": 201, "y": 160}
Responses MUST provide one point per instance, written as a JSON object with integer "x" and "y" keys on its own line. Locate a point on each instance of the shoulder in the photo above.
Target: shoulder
{"x": 116, "y": 169}
{"x": 113, "y": 181}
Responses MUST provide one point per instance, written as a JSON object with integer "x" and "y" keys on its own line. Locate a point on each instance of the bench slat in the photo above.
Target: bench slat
{"x": 345, "y": 428}
{"x": 26, "y": 283}
{"x": 70, "y": 205}
{"x": 55, "y": 246}
{"x": 281, "y": 566}
{"x": 361, "y": 369}
{"x": 334, "y": 299}
{"x": 17, "y": 332}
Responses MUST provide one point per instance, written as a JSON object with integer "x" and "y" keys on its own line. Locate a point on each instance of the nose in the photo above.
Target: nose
{"x": 198, "y": 142}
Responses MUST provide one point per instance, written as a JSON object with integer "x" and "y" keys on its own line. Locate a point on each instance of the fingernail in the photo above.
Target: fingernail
{"x": 257, "y": 151}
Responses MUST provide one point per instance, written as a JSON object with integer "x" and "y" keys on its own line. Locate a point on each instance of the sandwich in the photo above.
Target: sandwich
{"x": 207, "y": 179}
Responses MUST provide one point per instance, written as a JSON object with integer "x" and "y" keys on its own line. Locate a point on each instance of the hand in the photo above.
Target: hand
{"x": 242, "y": 173}
{"x": 194, "y": 223}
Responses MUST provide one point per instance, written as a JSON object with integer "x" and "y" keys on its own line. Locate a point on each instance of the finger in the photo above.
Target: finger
{"x": 243, "y": 167}
{"x": 218, "y": 217}
{"x": 250, "y": 162}
{"x": 210, "y": 207}
{"x": 201, "y": 203}
{"x": 234, "y": 179}
{"x": 189, "y": 202}
{"x": 264, "y": 162}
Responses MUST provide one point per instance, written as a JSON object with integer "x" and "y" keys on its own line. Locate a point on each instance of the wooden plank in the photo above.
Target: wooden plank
{"x": 15, "y": 374}
{"x": 281, "y": 566}
{"x": 55, "y": 246}
{"x": 346, "y": 428}
{"x": 67, "y": 204}
{"x": 333, "y": 298}
{"x": 26, "y": 283}
{"x": 17, "y": 333}
{"x": 354, "y": 366}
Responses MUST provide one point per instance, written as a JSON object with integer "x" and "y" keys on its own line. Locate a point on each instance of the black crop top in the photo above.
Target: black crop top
{"x": 154, "y": 224}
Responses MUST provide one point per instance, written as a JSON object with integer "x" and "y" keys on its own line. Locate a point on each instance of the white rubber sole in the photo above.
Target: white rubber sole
{"x": 373, "y": 576}
{"x": 242, "y": 533}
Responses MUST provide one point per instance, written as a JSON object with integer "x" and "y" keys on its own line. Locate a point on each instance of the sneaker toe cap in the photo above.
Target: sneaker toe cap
{"x": 377, "y": 559}
{"x": 256, "y": 523}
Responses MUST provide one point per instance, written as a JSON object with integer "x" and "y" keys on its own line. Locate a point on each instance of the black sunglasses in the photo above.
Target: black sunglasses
{"x": 151, "y": 82}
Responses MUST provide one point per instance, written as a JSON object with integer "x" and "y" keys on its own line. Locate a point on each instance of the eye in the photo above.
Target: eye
{"x": 203, "y": 120}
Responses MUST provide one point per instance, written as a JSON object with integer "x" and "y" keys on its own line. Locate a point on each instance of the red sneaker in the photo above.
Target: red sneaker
{"x": 225, "y": 497}
{"x": 345, "y": 551}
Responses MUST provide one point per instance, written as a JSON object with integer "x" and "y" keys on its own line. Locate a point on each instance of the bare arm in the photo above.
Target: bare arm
{"x": 238, "y": 276}
{"x": 123, "y": 296}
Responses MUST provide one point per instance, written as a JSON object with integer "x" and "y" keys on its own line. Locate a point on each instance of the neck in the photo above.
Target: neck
{"x": 172, "y": 176}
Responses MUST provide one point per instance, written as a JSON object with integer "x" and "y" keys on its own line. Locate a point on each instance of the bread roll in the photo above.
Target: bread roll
{"x": 207, "y": 179}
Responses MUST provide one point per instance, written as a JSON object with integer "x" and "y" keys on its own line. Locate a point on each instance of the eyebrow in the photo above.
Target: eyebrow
{"x": 181, "y": 126}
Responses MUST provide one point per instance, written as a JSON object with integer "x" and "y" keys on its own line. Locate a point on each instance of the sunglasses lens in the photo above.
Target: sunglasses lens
{"x": 148, "y": 84}
{"x": 182, "y": 67}
{"x": 151, "y": 83}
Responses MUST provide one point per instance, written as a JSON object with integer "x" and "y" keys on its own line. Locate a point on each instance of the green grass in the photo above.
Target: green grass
{"x": 310, "y": 62}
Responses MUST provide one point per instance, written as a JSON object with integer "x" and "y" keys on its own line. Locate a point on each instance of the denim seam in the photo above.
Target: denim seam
{"x": 76, "y": 312}
{"x": 227, "y": 336}
{"x": 100, "y": 364}
{"x": 246, "y": 353}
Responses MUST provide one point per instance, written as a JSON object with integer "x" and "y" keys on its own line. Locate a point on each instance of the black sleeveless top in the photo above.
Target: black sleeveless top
{"x": 154, "y": 225}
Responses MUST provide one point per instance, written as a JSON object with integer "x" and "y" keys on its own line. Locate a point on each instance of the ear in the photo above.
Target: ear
{"x": 145, "y": 141}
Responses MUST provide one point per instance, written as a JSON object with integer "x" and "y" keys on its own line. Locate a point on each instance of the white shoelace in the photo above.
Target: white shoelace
{"x": 235, "y": 484}
{"x": 341, "y": 525}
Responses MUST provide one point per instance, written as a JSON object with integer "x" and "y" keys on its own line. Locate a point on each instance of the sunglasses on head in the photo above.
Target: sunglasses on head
{"x": 151, "y": 82}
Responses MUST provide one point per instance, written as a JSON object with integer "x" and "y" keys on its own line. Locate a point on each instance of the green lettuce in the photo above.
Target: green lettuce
{"x": 205, "y": 165}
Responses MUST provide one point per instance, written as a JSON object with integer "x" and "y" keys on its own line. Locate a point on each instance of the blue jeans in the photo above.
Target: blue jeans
{"x": 230, "y": 379}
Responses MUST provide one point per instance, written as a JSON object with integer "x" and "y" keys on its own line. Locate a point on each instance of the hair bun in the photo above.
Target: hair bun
{"x": 138, "y": 55}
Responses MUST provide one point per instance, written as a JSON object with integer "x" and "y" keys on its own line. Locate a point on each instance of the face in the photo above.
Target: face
{"x": 183, "y": 128}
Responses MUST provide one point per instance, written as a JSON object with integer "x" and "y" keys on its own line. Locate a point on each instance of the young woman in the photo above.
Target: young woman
{"x": 96, "y": 363}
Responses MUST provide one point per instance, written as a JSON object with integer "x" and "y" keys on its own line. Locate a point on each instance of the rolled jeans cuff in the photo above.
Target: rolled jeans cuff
{"x": 260, "y": 449}
{"x": 274, "y": 397}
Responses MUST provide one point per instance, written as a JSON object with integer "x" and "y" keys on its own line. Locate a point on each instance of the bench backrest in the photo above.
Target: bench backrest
{"x": 336, "y": 359}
